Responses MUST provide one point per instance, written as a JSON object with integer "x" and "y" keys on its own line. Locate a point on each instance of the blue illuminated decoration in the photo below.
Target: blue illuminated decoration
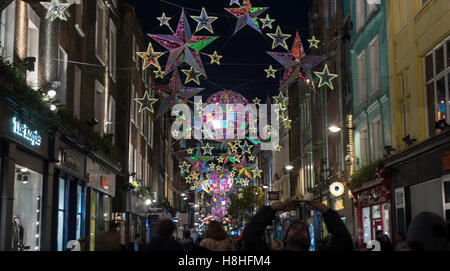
{"x": 24, "y": 132}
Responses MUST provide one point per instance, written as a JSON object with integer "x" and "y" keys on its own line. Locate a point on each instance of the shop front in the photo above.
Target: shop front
{"x": 421, "y": 182}
{"x": 69, "y": 196}
{"x": 100, "y": 192}
{"x": 373, "y": 210}
{"x": 24, "y": 178}
{"x": 136, "y": 221}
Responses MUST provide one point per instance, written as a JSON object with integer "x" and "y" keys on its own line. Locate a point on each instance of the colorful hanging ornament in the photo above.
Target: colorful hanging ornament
{"x": 150, "y": 57}
{"x": 199, "y": 162}
{"x": 56, "y": 9}
{"x": 204, "y": 21}
{"x": 174, "y": 93}
{"x": 247, "y": 15}
{"x": 326, "y": 77}
{"x": 313, "y": 42}
{"x": 279, "y": 39}
{"x": 267, "y": 22}
{"x": 297, "y": 64}
{"x": 146, "y": 102}
{"x": 183, "y": 46}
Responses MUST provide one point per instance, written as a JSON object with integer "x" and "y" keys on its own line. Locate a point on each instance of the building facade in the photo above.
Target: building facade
{"x": 419, "y": 41}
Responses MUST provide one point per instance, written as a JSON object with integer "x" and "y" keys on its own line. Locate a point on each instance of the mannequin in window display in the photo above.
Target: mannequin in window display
{"x": 18, "y": 232}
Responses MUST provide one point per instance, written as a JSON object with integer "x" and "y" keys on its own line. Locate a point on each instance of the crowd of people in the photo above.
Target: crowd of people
{"x": 427, "y": 232}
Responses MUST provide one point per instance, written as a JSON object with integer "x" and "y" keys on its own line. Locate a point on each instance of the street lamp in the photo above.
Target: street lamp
{"x": 148, "y": 202}
{"x": 289, "y": 167}
{"x": 265, "y": 187}
{"x": 334, "y": 129}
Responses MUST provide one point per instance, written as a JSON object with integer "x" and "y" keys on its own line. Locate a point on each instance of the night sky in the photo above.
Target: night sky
{"x": 244, "y": 54}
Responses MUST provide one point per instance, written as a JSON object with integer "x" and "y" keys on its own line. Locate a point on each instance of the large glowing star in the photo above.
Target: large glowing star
{"x": 297, "y": 64}
{"x": 183, "y": 46}
{"x": 204, "y": 21}
{"x": 146, "y": 103}
{"x": 247, "y": 15}
{"x": 326, "y": 77}
{"x": 174, "y": 93}
{"x": 56, "y": 9}
{"x": 150, "y": 57}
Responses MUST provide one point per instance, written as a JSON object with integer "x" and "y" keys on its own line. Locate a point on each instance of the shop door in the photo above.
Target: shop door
{"x": 377, "y": 225}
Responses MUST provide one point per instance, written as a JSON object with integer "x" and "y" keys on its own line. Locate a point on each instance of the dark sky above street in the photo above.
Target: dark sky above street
{"x": 244, "y": 54}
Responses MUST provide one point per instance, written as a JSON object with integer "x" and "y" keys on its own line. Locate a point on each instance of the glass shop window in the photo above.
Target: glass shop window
{"x": 366, "y": 225}
{"x": 80, "y": 211}
{"x": 62, "y": 208}
{"x": 27, "y": 210}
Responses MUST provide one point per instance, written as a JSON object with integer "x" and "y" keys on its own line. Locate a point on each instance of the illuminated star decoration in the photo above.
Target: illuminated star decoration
{"x": 146, "y": 103}
{"x": 257, "y": 101}
{"x": 207, "y": 149}
{"x": 163, "y": 20}
{"x": 204, "y": 21}
{"x": 150, "y": 57}
{"x": 281, "y": 100}
{"x": 270, "y": 72}
{"x": 199, "y": 162}
{"x": 313, "y": 43}
{"x": 326, "y": 77}
{"x": 235, "y": 2}
{"x": 192, "y": 75}
{"x": 215, "y": 58}
{"x": 184, "y": 167}
{"x": 159, "y": 73}
{"x": 246, "y": 148}
{"x": 257, "y": 172}
{"x": 247, "y": 15}
{"x": 297, "y": 64}
{"x": 267, "y": 22}
{"x": 189, "y": 151}
{"x": 56, "y": 9}
{"x": 279, "y": 38}
{"x": 183, "y": 46}
{"x": 174, "y": 93}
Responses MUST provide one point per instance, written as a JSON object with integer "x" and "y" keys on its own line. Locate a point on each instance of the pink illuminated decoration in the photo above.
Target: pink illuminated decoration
{"x": 298, "y": 65}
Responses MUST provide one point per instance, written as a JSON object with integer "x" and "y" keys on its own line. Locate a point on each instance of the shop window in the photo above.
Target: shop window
{"x": 27, "y": 209}
{"x": 92, "y": 224}
{"x": 376, "y": 212}
{"x": 386, "y": 219}
{"x": 366, "y": 225}
{"x": 62, "y": 208}
{"x": 80, "y": 211}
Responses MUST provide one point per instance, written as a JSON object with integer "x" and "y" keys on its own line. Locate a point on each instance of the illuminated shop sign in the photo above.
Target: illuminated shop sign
{"x": 22, "y": 130}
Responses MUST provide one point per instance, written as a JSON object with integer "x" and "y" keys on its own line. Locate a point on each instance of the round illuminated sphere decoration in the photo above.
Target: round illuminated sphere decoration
{"x": 231, "y": 98}
{"x": 337, "y": 189}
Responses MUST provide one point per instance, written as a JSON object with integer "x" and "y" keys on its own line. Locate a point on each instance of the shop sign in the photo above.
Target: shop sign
{"x": 373, "y": 195}
{"x": 273, "y": 196}
{"x": 70, "y": 161}
{"x": 22, "y": 130}
{"x": 446, "y": 162}
{"x": 337, "y": 189}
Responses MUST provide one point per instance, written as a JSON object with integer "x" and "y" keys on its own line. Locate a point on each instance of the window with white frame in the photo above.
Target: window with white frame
{"x": 374, "y": 56}
{"x": 100, "y": 31}
{"x": 79, "y": 17}
{"x": 359, "y": 9}
{"x": 76, "y": 92}
{"x": 376, "y": 139}
{"x": 142, "y": 122}
{"x": 112, "y": 50}
{"x": 371, "y": 7}
{"x": 364, "y": 146}
{"x": 135, "y": 160}
{"x": 437, "y": 75}
{"x": 111, "y": 117}
{"x": 99, "y": 107}
{"x": 133, "y": 48}
{"x": 150, "y": 132}
{"x": 362, "y": 94}
{"x": 33, "y": 46}
{"x": 62, "y": 75}
{"x": 7, "y": 28}
{"x": 136, "y": 110}
{"x": 130, "y": 158}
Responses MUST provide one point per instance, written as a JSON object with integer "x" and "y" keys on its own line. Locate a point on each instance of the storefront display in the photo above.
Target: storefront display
{"x": 27, "y": 209}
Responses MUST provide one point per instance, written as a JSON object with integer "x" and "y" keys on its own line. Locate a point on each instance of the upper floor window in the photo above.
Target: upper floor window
{"x": 7, "y": 25}
{"x": 112, "y": 50}
{"x": 359, "y": 9}
{"x": 100, "y": 31}
{"x": 437, "y": 77}
{"x": 374, "y": 57}
{"x": 361, "y": 79}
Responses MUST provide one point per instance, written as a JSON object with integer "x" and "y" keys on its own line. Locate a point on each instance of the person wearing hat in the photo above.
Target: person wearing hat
{"x": 297, "y": 235}
{"x": 428, "y": 232}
